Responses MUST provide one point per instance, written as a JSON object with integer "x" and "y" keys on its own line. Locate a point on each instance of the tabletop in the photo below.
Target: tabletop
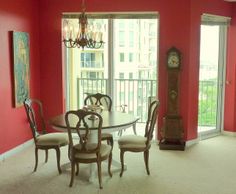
{"x": 112, "y": 120}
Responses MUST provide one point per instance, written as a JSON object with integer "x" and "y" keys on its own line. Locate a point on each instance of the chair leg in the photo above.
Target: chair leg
{"x": 36, "y": 159}
{"x": 146, "y": 159}
{"x": 46, "y": 156}
{"x": 77, "y": 169}
{"x": 99, "y": 174}
{"x": 122, "y": 162}
{"x": 72, "y": 173}
{"x": 58, "y": 159}
{"x": 69, "y": 154}
{"x": 134, "y": 129}
{"x": 109, "y": 164}
{"x": 111, "y": 142}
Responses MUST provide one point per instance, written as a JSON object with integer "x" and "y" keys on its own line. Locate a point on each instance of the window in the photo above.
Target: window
{"x": 122, "y": 57}
{"x": 122, "y": 38}
{"x": 121, "y": 25}
{"x": 131, "y": 38}
{"x": 131, "y": 55}
{"x": 131, "y": 24}
{"x": 87, "y": 59}
{"x": 121, "y": 75}
{"x": 92, "y": 75}
{"x": 130, "y": 75}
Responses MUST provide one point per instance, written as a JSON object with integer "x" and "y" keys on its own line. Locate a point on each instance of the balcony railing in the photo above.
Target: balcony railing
{"x": 136, "y": 94}
{"x": 133, "y": 93}
{"x": 207, "y": 106}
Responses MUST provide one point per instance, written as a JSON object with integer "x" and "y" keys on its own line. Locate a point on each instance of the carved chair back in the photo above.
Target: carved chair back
{"x": 99, "y": 99}
{"x": 151, "y": 120}
{"x": 84, "y": 123}
{"x": 34, "y": 112}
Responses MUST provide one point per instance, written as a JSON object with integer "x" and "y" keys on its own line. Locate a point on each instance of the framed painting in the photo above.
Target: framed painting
{"x": 21, "y": 67}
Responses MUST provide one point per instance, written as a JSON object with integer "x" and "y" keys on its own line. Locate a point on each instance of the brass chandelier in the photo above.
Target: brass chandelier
{"x": 84, "y": 36}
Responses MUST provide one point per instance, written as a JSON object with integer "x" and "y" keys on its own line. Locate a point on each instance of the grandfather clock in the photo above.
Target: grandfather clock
{"x": 172, "y": 130}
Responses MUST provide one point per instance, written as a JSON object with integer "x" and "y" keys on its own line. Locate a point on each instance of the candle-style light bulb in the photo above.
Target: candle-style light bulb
{"x": 71, "y": 31}
{"x": 65, "y": 32}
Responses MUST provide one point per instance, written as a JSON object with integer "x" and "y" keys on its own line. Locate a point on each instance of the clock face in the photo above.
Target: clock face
{"x": 173, "y": 60}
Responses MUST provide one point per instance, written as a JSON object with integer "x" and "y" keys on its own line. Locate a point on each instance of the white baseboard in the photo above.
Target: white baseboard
{"x": 191, "y": 142}
{"x": 229, "y": 133}
{"x": 16, "y": 150}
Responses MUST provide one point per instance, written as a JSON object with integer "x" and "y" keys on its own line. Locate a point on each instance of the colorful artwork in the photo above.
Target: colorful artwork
{"x": 21, "y": 67}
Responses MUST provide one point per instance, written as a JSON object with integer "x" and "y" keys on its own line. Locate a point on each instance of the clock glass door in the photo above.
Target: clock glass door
{"x": 211, "y": 77}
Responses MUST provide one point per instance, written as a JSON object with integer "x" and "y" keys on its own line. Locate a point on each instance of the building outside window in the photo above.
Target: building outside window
{"x": 131, "y": 56}
{"x": 130, "y": 75}
{"x": 131, "y": 38}
{"x": 122, "y": 76}
{"x": 122, "y": 57}
{"x": 121, "y": 38}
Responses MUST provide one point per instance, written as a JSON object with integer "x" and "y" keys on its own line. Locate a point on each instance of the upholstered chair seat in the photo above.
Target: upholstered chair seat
{"x": 60, "y": 139}
{"x": 104, "y": 152}
{"x": 132, "y": 141}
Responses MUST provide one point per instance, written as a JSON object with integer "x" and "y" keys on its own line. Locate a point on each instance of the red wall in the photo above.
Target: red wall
{"x": 17, "y": 15}
{"x": 174, "y": 31}
{"x": 179, "y": 26}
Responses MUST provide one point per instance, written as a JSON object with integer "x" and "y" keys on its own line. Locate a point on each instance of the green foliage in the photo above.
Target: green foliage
{"x": 207, "y": 106}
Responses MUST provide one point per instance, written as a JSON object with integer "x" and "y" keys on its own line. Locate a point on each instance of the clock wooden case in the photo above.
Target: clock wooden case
{"x": 172, "y": 131}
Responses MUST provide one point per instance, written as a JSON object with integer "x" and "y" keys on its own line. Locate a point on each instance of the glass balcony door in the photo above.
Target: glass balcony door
{"x": 124, "y": 68}
{"x": 211, "y": 79}
{"x": 135, "y": 64}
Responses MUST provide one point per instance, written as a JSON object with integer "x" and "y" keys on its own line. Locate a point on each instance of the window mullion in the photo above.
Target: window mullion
{"x": 110, "y": 59}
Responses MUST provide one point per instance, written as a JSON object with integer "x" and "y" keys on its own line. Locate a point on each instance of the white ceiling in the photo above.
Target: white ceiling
{"x": 231, "y": 0}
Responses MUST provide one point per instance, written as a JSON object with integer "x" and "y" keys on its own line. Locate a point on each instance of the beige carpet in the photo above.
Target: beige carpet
{"x": 208, "y": 167}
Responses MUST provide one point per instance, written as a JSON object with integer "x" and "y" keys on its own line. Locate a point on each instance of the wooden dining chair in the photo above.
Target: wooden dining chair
{"x": 136, "y": 143}
{"x": 105, "y": 101}
{"x": 42, "y": 139}
{"x": 89, "y": 149}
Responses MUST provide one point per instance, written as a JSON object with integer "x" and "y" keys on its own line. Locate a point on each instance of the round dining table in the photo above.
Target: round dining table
{"x": 112, "y": 121}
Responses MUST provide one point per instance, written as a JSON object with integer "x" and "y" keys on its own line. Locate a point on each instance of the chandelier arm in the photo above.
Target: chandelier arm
{"x": 98, "y": 45}
{"x": 68, "y": 43}
{"x": 73, "y": 43}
